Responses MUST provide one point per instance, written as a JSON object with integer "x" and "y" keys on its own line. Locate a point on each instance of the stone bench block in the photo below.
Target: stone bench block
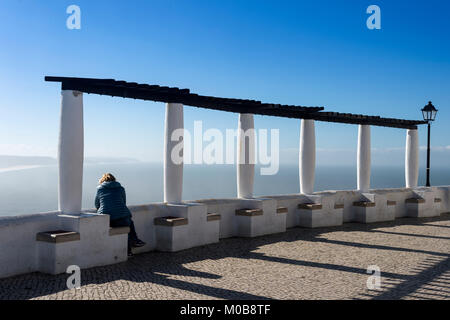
{"x": 250, "y": 222}
{"x": 186, "y": 225}
{"x": 171, "y": 233}
{"x": 84, "y": 240}
{"x": 365, "y": 211}
{"x": 374, "y": 207}
{"x": 200, "y": 230}
{"x": 416, "y": 207}
{"x": 56, "y": 250}
{"x": 323, "y": 214}
{"x": 258, "y": 217}
{"x": 423, "y": 204}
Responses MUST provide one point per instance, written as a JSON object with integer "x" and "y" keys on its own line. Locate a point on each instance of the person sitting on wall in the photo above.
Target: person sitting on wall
{"x": 111, "y": 199}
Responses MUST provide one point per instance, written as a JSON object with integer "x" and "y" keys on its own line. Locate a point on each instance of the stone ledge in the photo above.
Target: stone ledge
{"x": 391, "y": 203}
{"x": 212, "y": 217}
{"x": 415, "y": 200}
{"x": 310, "y": 206}
{"x": 249, "y": 212}
{"x": 339, "y": 206}
{"x": 119, "y": 230}
{"x": 364, "y": 204}
{"x": 57, "y": 236}
{"x": 170, "y": 221}
{"x": 282, "y": 210}
{"x": 436, "y": 200}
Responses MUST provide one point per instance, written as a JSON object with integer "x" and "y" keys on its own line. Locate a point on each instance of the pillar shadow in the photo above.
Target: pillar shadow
{"x": 424, "y": 279}
{"x": 436, "y": 225}
{"x": 412, "y": 235}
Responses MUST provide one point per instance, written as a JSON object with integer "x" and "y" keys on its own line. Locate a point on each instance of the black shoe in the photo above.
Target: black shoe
{"x": 137, "y": 243}
{"x": 130, "y": 254}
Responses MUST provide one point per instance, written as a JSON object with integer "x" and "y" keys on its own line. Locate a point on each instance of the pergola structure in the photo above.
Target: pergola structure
{"x": 71, "y": 137}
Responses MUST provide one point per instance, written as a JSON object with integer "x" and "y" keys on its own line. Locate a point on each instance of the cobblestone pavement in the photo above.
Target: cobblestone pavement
{"x": 326, "y": 263}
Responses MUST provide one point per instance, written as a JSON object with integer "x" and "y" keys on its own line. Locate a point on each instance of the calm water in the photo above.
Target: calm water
{"x": 35, "y": 190}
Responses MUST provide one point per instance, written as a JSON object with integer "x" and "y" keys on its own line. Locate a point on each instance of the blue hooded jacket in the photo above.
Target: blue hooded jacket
{"x": 110, "y": 199}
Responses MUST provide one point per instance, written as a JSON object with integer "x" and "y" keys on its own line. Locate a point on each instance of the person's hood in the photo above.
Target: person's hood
{"x": 110, "y": 185}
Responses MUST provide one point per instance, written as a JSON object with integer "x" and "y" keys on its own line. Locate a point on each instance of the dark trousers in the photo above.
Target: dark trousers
{"x": 125, "y": 222}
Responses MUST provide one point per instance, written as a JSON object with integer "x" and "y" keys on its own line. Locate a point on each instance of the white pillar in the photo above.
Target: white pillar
{"x": 307, "y": 156}
{"x": 245, "y": 156}
{"x": 412, "y": 158}
{"x": 70, "y": 152}
{"x": 363, "y": 158}
{"x": 173, "y": 153}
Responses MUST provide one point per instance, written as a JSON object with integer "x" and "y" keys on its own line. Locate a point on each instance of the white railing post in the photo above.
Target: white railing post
{"x": 70, "y": 152}
{"x": 173, "y": 163}
{"x": 245, "y": 155}
{"x": 307, "y": 156}
{"x": 363, "y": 174}
{"x": 412, "y": 158}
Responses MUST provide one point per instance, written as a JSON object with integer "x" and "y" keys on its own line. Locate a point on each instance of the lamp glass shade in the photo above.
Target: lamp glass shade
{"x": 429, "y": 112}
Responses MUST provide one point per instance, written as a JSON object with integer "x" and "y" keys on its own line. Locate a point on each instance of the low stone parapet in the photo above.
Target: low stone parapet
{"x": 86, "y": 240}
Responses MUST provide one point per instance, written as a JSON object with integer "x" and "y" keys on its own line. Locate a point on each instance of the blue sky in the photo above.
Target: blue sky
{"x": 293, "y": 52}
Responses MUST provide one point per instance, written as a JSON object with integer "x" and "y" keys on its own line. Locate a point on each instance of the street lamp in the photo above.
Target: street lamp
{"x": 429, "y": 114}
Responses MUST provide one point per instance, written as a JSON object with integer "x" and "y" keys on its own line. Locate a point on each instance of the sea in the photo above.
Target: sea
{"x": 34, "y": 189}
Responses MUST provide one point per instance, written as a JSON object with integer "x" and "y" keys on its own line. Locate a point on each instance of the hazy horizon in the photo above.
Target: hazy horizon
{"x": 34, "y": 190}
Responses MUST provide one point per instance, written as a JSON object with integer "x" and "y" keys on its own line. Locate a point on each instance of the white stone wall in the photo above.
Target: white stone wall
{"x": 21, "y": 253}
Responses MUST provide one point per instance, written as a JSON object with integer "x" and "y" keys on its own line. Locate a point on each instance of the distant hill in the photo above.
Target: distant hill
{"x": 14, "y": 161}
{"x": 95, "y": 160}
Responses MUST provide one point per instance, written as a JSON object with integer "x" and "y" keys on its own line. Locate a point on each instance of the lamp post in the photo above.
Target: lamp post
{"x": 429, "y": 114}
